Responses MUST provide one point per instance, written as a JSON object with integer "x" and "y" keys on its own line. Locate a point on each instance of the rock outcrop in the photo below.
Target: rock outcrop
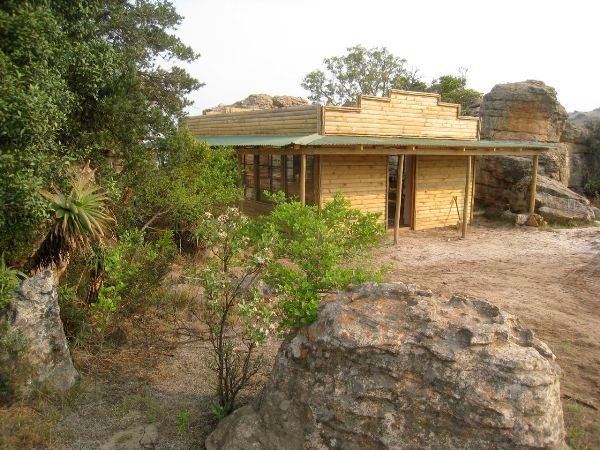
{"x": 503, "y": 183}
{"x": 523, "y": 111}
{"x": 530, "y": 111}
{"x": 258, "y": 101}
{"x": 35, "y": 315}
{"x": 391, "y": 366}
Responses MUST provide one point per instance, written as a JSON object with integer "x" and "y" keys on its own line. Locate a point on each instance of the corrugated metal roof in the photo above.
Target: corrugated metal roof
{"x": 320, "y": 140}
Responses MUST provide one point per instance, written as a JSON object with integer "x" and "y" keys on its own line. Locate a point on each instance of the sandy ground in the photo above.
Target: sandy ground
{"x": 549, "y": 279}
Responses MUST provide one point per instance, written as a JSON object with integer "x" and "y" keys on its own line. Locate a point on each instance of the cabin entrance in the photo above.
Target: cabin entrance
{"x": 407, "y": 191}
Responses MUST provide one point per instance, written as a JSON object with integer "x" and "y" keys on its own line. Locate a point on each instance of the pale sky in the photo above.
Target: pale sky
{"x": 267, "y": 46}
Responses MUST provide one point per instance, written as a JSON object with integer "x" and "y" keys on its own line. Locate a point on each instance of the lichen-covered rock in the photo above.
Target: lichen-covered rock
{"x": 258, "y": 101}
{"x": 391, "y": 366}
{"x": 35, "y": 315}
{"x": 527, "y": 110}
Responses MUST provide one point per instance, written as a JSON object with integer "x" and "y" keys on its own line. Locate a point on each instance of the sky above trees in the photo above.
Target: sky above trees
{"x": 268, "y": 46}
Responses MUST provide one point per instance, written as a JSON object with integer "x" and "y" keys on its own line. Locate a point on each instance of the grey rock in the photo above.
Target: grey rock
{"x": 134, "y": 438}
{"x": 557, "y": 203}
{"x": 392, "y": 366}
{"x": 35, "y": 314}
{"x": 258, "y": 101}
{"x": 596, "y": 213}
{"x": 504, "y": 182}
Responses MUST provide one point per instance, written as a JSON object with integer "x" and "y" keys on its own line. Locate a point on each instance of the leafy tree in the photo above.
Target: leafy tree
{"x": 81, "y": 80}
{"x": 373, "y": 72}
{"x": 453, "y": 90}
{"x": 316, "y": 250}
{"x": 190, "y": 179}
{"x": 361, "y": 71}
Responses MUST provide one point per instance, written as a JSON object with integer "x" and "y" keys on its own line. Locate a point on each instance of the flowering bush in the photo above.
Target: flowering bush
{"x": 237, "y": 317}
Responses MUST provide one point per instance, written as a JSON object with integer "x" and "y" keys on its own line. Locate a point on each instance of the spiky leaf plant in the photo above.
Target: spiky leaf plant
{"x": 80, "y": 218}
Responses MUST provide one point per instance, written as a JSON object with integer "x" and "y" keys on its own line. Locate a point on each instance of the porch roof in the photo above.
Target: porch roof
{"x": 319, "y": 140}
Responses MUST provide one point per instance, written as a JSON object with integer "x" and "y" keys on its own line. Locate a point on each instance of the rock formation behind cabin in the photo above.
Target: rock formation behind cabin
{"x": 391, "y": 366}
{"x": 257, "y": 101}
{"x": 530, "y": 111}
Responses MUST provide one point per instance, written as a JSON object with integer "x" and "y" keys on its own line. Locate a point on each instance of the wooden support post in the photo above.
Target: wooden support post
{"x": 533, "y": 187}
{"x": 467, "y": 202}
{"x": 473, "y": 188}
{"x": 399, "y": 176}
{"x": 303, "y": 180}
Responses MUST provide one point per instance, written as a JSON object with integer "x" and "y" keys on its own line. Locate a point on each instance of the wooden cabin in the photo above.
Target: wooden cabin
{"x": 409, "y": 157}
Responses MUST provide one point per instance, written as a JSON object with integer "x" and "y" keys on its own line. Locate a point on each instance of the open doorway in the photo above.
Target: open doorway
{"x": 407, "y": 191}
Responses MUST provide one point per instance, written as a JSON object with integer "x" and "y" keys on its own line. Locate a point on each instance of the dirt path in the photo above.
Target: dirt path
{"x": 550, "y": 279}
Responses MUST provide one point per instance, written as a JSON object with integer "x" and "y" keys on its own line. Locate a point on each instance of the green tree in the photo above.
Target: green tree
{"x": 453, "y": 89}
{"x": 81, "y": 81}
{"x": 189, "y": 180}
{"x": 361, "y": 71}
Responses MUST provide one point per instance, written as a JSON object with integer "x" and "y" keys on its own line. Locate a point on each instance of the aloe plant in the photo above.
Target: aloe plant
{"x": 80, "y": 218}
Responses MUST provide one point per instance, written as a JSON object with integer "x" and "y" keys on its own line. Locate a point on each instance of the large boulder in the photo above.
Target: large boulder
{"x": 557, "y": 203}
{"x": 35, "y": 316}
{"x": 503, "y": 183}
{"x": 391, "y": 366}
{"x": 526, "y": 111}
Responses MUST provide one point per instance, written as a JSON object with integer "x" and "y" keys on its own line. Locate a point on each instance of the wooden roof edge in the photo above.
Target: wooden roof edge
{"x": 388, "y": 99}
{"x": 257, "y": 111}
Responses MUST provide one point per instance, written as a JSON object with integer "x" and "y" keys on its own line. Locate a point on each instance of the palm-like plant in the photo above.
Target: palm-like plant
{"x": 80, "y": 218}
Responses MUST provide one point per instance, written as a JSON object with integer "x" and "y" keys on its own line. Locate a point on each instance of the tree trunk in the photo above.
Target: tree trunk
{"x": 96, "y": 282}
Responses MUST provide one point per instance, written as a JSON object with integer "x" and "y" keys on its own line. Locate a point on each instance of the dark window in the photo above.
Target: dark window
{"x": 274, "y": 173}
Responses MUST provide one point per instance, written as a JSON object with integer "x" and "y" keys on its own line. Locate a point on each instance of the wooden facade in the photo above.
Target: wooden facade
{"x": 408, "y": 157}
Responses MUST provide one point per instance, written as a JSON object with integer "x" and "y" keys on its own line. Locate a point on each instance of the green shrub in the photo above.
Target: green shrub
{"x": 9, "y": 281}
{"x": 592, "y": 187}
{"x": 134, "y": 267}
{"x": 316, "y": 250}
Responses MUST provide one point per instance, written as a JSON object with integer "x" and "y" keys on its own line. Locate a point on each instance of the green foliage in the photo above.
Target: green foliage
{"x": 316, "y": 250}
{"x": 191, "y": 179}
{"x": 453, "y": 90}
{"x": 237, "y": 318}
{"x": 592, "y": 187}
{"x": 361, "y": 71}
{"x": 9, "y": 281}
{"x": 80, "y": 80}
{"x": 80, "y": 218}
{"x": 373, "y": 72}
{"x": 183, "y": 421}
{"x": 133, "y": 268}
{"x": 592, "y": 183}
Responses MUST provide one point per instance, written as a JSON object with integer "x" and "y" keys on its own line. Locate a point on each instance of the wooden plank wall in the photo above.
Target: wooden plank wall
{"x": 438, "y": 180}
{"x": 294, "y": 120}
{"x": 360, "y": 179}
{"x": 403, "y": 113}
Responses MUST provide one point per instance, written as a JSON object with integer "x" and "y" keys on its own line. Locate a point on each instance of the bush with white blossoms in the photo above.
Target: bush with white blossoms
{"x": 237, "y": 317}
